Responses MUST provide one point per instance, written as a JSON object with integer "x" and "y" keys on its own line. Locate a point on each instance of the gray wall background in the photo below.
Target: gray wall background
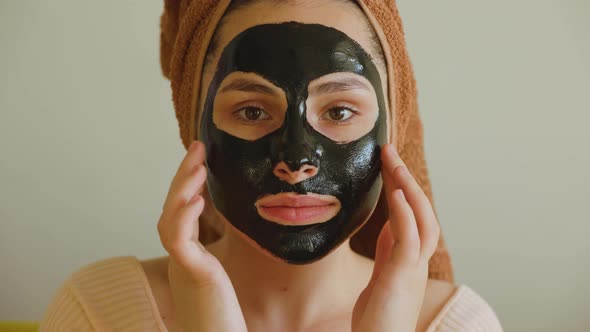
{"x": 89, "y": 144}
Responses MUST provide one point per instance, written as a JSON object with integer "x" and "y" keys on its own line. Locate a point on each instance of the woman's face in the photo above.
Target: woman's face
{"x": 293, "y": 117}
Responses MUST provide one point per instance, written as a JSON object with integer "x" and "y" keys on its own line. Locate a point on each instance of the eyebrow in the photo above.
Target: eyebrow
{"x": 342, "y": 84}
{"x": 247, "y": 85}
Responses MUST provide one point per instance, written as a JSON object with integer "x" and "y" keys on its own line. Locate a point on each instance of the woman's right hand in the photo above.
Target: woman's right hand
{"x": 202, "y": 291}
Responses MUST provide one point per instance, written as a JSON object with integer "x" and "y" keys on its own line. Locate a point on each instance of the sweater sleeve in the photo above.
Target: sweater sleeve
{"x": 108, "y": 295}
{"x": 65, "y": 313}
{"x": 466, "y": 311}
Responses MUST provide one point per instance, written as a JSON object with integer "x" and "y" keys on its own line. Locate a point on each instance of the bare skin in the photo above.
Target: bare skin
{"x": 156, "y": 269}
{"x": 233, "y": 285}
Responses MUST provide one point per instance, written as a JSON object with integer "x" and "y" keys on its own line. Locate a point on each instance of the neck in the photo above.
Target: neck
{"x": 273, "y": 292}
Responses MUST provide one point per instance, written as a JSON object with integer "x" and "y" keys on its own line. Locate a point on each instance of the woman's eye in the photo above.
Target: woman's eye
{"x": 252, "y": 113}
{"x": 339, "y": 114}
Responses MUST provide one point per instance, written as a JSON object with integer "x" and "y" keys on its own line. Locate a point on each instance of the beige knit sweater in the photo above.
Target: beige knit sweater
{"x": 114, "y": 295}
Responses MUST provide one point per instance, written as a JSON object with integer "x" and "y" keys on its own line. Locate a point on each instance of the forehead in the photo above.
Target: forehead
{"x": 339, "y": 15}
{"x": 293, "y": 56}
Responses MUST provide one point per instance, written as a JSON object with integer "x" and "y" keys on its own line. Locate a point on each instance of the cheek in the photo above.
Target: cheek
{"x": 358, "y": 166}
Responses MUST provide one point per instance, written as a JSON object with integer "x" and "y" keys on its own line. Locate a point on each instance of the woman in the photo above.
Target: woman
{"x": 290, "y": 121}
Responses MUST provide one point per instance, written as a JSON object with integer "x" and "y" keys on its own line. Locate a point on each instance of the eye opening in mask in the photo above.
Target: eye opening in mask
{"x": 342, "y": 91}
{"x": 342, "y": 106}
{"x": 243, "y": 95}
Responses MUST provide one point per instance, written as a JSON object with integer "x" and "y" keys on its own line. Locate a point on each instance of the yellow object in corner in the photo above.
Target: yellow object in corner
{"x": 18, "y": 326}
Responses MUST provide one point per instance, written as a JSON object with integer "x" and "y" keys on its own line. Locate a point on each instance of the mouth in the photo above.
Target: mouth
{"x": 292, "y": 209}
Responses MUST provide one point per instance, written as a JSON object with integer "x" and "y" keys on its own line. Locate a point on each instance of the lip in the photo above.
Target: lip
{"x": 295, "y": 209}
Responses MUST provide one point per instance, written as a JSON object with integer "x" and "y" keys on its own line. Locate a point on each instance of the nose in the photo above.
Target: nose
{"x": 285, "y": 173}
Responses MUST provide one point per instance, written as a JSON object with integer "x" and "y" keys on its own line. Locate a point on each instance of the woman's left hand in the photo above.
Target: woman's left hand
{"x": 393, "y": 298}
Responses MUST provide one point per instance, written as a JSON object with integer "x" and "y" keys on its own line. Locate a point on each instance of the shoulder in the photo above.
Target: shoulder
{"x": 156, "y": 272}
{"x": 108, "y": 293}
{"x": 465, "y": 310}
{"x": 436, "y": 295}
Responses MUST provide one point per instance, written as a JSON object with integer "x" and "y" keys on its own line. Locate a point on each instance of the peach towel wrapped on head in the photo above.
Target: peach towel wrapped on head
{"x": 187, "y": 27}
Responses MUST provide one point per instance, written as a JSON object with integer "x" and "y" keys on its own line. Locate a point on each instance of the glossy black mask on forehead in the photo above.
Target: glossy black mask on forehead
{"x": 290, "y": 55}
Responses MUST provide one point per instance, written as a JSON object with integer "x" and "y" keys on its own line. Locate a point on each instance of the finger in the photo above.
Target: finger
{"x": 382, "y": 251}
{"x": 382, "y": 255}
{"x": 402, "y": 219}
{"x": 426, "y": 223}
{"x": 407, "y": 245}
{"x": 185, "y": 191}
{"x": 195, "y": 156}
{"x": 180, "y": 201}
{"x": 428, "y": 228}
{"x": 176, "y": 234}
{"x": 187, "y": 170}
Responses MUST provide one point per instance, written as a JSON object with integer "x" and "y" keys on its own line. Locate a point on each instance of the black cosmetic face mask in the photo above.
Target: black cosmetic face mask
{"x": 290, "y": 55}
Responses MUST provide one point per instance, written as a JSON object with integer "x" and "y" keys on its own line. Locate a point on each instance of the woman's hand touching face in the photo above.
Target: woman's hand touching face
{"x": 393, "y": 298}
{"x": 203, "y": 294}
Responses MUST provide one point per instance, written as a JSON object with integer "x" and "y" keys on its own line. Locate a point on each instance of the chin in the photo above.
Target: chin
{"x": 297, "y": 248}
{"x": 296, "y": 254}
